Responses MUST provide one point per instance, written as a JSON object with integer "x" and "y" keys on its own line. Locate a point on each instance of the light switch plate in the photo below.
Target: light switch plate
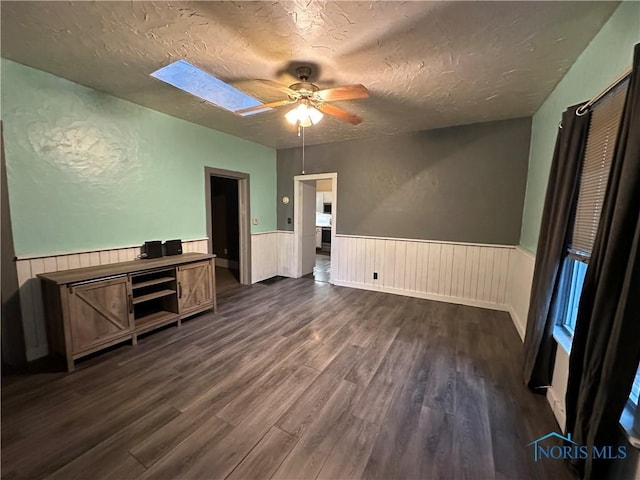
{"x": 255, "y": 220}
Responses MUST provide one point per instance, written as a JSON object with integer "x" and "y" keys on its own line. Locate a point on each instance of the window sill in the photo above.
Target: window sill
{"x": 626, "y": 422}
{"x": 563, "y": 338}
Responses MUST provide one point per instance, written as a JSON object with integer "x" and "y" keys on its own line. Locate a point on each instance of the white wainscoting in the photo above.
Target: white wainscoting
{"x": 264, "y": 255}
{"x": 271, "y": 255}
{"x": 468, "y": 274}
{"x": 286, "y": 262}
{"x": 35, "y": 333}
{"x": 519, "y": 287}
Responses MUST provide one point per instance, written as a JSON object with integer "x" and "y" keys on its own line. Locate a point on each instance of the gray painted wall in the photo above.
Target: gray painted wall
{"x": 462, "y": 184}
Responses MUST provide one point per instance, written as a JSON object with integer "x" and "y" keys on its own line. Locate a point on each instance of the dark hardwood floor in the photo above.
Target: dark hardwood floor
{"x": 322, "y": 268}
{"x": 296, "y": 379}
{"x": 226, "y": 279}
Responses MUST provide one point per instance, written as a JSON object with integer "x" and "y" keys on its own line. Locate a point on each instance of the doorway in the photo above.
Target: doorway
{"x": 324, "y": 221}
{"x": 315, "y": 224}
{"x": 225, "y": 230}
{"x": 227, "y": 200}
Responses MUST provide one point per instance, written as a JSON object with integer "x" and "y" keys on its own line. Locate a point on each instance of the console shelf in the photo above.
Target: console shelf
{"x": 152, "y": 295}
{"x": 155, "y": 281}
{"x": 155, "y": 320}
{"x": 160, "y": 316}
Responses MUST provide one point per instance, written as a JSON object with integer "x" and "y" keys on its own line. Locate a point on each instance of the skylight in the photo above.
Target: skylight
{"x": 181, "y": 74}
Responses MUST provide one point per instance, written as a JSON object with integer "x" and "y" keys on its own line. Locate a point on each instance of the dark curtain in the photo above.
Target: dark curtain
{"x": 539, "y": 346}
{"x": 606, "y": 344}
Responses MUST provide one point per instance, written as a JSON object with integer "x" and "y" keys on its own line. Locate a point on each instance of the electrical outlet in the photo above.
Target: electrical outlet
{"x": 226, "y": 251}
{"x": 375, "y": 275}
{"x": 289, "y": 220}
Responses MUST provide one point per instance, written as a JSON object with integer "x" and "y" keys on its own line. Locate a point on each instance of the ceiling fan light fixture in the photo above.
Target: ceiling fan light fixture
{"x": 292, "y": 116}
{"x": 315, "y": 115}
{"x": 304, "y": 115}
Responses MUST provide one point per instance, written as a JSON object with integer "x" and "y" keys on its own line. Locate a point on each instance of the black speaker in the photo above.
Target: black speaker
{"x": 173, "y": 247}
{"x": 152, "y": 249}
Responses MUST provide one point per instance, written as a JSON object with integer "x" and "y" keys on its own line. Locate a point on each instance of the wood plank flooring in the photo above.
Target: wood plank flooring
{"x": 322, "y": 268}
{"x": 226, "y": 279}
{"x": 295, "y": 379}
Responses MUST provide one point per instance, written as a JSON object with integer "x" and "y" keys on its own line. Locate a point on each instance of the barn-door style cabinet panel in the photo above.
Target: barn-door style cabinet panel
{"x": 195, "y": 286}
{"x": 99, "y": 312}
{"x": 89, "y": 309}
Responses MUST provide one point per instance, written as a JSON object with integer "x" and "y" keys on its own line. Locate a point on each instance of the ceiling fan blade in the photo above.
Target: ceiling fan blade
{"x": 346, "y": 92}
{"x": 339, "y": 113}
{"x": 264, "y": 106}
{"x": 277, "y": 86}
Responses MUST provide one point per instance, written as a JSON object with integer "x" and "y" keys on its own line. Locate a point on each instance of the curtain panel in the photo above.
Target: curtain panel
{"x": 606, "y": 344}
{"x": 539, "y": 346}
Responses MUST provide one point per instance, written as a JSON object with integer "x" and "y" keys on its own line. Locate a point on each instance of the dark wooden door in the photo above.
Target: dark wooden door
{"x": 100, "y": 312}
{"x": 195, "y": 286}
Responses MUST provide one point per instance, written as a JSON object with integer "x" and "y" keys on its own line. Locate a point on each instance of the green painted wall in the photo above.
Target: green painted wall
{"x": 608, "y": 55}
{"x": 90, "y": 171}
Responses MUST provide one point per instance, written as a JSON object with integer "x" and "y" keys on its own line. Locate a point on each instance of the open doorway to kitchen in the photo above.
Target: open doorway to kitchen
{"x": 323, "y": 224}
{"x": 314, "y": 224}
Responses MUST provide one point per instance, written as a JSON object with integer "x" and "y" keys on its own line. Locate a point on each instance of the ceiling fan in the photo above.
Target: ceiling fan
{"x": 311, "y": 101}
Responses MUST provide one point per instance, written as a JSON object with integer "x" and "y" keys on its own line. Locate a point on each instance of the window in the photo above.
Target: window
{"x": 635, "y": 389}
{"x": 630, "y": 418}
{"x": 181, "y": 74}
{"x": 594, "y": 174}
{"x": 594, "y": 171}
{"x": 574, "y": 271}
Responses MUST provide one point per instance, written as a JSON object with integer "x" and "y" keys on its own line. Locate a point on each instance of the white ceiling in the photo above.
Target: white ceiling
{"x": 426, "y": 64}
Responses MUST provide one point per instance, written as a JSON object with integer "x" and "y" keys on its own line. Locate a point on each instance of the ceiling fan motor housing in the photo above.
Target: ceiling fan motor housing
{"x": 305, "y": 89}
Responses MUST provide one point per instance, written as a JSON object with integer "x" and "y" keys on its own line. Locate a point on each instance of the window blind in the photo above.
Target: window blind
{"x": 594, "y": 174}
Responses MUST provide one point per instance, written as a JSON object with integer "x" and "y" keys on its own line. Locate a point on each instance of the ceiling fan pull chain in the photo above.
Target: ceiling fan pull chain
{"x": 302, "y": 148}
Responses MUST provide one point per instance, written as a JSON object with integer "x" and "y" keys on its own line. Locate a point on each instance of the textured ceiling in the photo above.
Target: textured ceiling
{"x": 426, "y": 64}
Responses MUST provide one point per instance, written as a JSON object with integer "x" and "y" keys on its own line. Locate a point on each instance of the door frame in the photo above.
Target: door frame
{"x": 297, "y": 218}
{"x": 243, "y": 214}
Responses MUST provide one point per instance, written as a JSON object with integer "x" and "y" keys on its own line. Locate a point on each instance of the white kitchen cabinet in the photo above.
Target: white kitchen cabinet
{"x": 323, "y": 198}
{"x": 319, "y": 202}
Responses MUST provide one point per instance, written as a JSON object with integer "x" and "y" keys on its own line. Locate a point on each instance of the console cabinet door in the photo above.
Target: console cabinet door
{"x": 195, "y": 286}
{"x": 99, "y": 312}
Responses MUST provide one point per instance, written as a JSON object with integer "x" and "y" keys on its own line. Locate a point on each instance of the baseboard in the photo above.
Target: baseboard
{"x": 516, "y": 322}
{"x": 557, "y": 407}
{"x": 426, "y": 296}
